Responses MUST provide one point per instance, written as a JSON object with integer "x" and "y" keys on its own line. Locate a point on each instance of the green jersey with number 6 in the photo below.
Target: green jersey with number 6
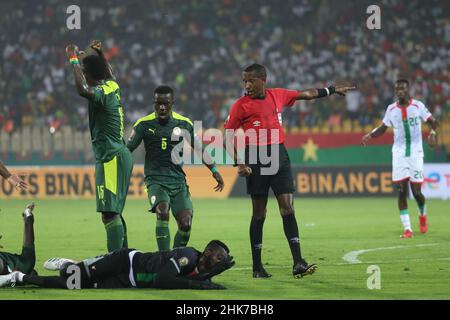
{"x": 160, "y": 139}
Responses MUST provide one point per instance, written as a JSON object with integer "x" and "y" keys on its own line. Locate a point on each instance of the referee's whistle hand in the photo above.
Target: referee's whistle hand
{"x": 244, "y": 171}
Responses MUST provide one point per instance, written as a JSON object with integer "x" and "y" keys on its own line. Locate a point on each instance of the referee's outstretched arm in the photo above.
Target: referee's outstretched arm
{"x": 311, "y": 94}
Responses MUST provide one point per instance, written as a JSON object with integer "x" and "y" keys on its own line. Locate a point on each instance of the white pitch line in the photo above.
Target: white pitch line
{"x": 397, "y": 260}
{"x": 352, "y": 256}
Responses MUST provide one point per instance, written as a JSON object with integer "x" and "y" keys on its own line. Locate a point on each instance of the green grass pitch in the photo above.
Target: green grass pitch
{"x": 417, "y": 268}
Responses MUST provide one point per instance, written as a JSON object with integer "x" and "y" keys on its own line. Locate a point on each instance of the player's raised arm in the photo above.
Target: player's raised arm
{"x": 97, "y": 46}
{"x": 311, "y": 94}
{"x": 80, "y": 81}
{"x": 378, "y": 131}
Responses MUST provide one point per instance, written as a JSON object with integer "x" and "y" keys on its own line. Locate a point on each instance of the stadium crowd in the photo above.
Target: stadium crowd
{"x": 200, "y": 48}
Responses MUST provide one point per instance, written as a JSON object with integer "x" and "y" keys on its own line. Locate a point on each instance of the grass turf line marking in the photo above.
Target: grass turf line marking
{"x": 352, "y": 256}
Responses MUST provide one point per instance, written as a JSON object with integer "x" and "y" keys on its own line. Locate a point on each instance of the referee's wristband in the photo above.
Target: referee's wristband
{"x": 214, "y": 169}
{"x": 325, "y": 92}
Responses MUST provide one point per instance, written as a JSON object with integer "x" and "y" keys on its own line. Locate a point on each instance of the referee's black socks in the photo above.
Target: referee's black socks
{"x": 256, "y": 234}
{"x": 291, "y": 231}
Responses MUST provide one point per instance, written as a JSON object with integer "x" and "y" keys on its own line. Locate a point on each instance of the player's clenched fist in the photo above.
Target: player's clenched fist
{"x": 96, "y": 45}
{"x": 71, "y": 50}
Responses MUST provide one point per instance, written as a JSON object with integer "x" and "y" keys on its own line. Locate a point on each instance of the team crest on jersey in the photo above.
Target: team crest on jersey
{"x": 176, "y": 131}
{"x": 256, "y": 123}
{"x": 152, "y": 199}
{"x": 183, "y": 261}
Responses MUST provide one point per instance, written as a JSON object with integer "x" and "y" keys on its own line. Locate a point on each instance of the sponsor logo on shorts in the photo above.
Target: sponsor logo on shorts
{"x": 152, "y": 199}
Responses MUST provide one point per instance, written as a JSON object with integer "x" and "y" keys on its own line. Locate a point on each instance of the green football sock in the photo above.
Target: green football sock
{"x": 125, "y": 235}
{"x": 114, "y": 234}
{"x": 163, "y": 235}
{"x": 181, "y": 238}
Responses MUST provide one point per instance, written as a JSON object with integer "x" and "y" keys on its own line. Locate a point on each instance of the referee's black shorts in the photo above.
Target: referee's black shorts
{"x": 259, "y": 183}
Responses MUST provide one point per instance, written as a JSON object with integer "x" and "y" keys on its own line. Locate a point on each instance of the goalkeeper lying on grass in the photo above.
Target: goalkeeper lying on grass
{"x": 180, "y": 268}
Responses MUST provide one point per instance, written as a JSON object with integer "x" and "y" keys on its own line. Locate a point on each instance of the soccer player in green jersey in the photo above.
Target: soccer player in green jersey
{"x": 24, "y": 262}
{"x": 162, "y": 131}
{"x": 95, "y": 81}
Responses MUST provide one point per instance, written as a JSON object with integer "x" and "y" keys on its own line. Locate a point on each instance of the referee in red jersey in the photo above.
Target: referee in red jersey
{"x": 259, "y": 114}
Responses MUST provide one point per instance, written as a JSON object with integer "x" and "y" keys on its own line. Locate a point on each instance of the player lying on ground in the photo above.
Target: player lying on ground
{"x": 162, "y": 131}
{"x": 406, "y": 116}
{"x": 13, "y": 179}
{"x": 181, "y": 268}
{"x": 24, "y": 262}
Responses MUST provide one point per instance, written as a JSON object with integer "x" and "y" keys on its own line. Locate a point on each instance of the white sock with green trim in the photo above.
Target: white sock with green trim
{"x": 404, "y": 217}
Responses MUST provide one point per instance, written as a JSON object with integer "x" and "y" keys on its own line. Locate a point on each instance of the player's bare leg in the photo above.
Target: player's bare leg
{"x": 259, "y": 205}
{"x": 286, "y": 206}
{"x": 162, "y": 226}
{"x": 184, "y": 221}
{"x": 416, "y": 189}
{"x": 403, "y": 208}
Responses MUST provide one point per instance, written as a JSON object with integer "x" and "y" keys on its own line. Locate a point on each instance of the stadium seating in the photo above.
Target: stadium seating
{"x": 213, "y": 43}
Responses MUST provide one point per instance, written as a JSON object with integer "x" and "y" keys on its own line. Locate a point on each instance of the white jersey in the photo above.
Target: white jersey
{"x": 407, "y": 125}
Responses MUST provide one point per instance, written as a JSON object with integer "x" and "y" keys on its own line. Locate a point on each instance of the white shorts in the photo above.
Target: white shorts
{"x": 407, "y": 169}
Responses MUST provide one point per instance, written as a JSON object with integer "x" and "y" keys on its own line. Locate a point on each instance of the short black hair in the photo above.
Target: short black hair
{"x": 259, "y": 70}
{"x": 96, "y": 67}
{"x": 163, "y": 90}
{"x": 217, "y": 244}
{"x": 402, "y": 81}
